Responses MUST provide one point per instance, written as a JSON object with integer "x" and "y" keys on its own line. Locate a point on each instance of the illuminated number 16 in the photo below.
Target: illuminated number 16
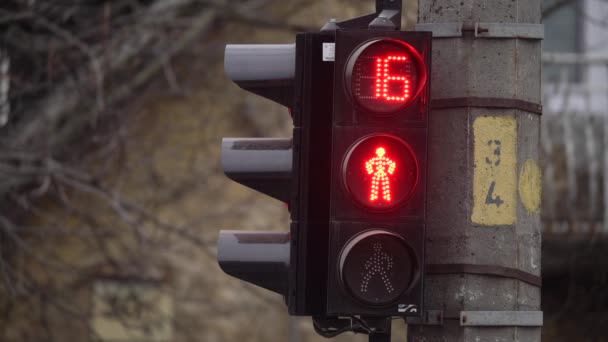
{"x": 383, "y": 77}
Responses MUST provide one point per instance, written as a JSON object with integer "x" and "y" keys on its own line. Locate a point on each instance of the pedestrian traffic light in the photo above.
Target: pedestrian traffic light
{"x": 353, "y": 174}
{"x": 378, "y": 173}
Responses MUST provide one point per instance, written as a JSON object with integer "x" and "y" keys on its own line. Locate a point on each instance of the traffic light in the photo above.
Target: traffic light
{"x": 353, "y": 174}
{"x": 378, "y": 173}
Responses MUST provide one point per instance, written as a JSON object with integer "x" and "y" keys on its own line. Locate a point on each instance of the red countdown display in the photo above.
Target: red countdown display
{"x": 380, "y": 172}
{"x": 385, "y": 75}
{"x": 399, "y": 89}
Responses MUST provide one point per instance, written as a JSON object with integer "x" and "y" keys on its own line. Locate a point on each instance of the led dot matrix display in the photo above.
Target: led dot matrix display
{"x": 384, "y": 76}
{"x": 380, "y": 172}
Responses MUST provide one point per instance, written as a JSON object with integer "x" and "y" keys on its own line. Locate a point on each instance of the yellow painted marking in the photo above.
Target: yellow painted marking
{"x": 530, "y": 186}
{"x": 494, "y": 170}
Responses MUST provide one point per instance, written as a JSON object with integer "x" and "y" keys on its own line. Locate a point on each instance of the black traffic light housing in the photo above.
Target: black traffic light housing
{"x": 378, "y": 181}
{"x": 309, "y": 203}
{"x": 354, "y": 248}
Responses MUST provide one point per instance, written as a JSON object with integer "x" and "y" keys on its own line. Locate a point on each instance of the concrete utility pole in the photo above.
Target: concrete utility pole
{"x": 483, "y": 223}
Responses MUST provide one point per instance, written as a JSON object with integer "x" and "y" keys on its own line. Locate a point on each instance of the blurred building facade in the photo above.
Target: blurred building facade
{"x": 574, "y": 138}
{"x": 575, "y": 90}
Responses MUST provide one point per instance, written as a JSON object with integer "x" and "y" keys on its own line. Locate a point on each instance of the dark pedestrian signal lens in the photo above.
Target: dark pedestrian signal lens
{"x": 376, "y": 267}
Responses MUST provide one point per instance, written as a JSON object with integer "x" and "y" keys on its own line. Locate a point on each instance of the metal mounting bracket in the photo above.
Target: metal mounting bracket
{"x": 487, "y": 270}
{"x": 484, "y": 30}
{"x": 387, "y": 20}
{"x": 387, "y": 17}
{"x": 429, "y": 317}
{"x": 501, "y": 318}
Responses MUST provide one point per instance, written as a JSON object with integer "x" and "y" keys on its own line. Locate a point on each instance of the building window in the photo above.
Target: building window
{"x": 563, "y": 34}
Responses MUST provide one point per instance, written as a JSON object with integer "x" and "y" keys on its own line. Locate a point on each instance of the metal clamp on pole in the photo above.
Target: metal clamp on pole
{"x": 487, "y": 102}
{"x": 501, "y": 318}
{"x": 487, "y": 270}
{"x": 484, "y": 30}
{"x": 429, "y": 317}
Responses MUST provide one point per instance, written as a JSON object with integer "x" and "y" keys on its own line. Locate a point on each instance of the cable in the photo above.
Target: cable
{"x": 331, "y": 327}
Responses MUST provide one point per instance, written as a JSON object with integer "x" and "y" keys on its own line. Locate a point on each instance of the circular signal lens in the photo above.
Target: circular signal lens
{"x": 377, "y": 267}
{"x": 380, "y": 172}
{"x": 385, "y": 75}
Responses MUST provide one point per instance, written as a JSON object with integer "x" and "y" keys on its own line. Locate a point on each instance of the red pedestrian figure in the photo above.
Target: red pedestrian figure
{"x": 381, "y": 166}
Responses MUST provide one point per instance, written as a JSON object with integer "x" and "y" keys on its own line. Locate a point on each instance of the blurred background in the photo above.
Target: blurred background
{"x": 112, "y": 196}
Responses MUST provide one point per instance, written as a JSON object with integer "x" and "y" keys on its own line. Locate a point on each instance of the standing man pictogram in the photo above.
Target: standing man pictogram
{"x": 381, "y": 166}
{"x": 378, "y": 264}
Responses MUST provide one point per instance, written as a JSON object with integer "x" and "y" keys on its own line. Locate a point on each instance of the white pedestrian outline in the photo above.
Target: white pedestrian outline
{"x": 378, "y": 264}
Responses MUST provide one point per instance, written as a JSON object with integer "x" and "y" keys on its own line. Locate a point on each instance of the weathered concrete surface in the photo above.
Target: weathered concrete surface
{"x": 465, "y": 228}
